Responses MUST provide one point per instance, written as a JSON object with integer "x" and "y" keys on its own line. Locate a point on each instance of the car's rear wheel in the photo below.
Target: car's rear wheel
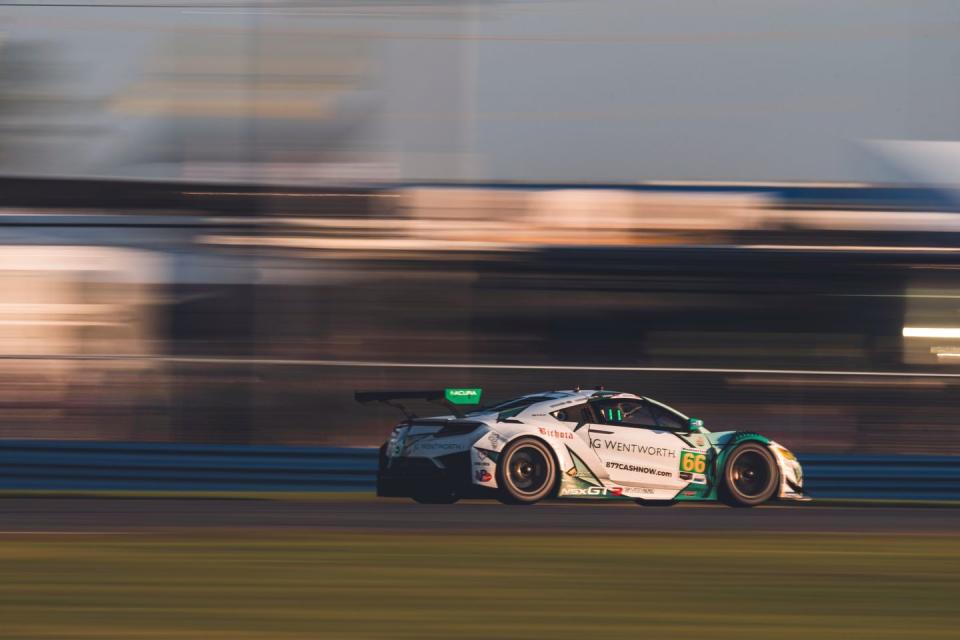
{"x": 527, "y": 472}
{"x": 750, "y": 476}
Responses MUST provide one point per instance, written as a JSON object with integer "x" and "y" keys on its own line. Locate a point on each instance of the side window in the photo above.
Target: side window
{"x": 577, "y": 414}
{"x": 631, "y": 413}
{"x": 668, "y": 419}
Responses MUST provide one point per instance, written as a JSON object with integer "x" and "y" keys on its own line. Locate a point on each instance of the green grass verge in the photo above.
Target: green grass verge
{"x": 343, "y": 585}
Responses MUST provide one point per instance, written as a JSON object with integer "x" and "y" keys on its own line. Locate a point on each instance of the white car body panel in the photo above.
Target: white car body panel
{"x": 596, "y": 460}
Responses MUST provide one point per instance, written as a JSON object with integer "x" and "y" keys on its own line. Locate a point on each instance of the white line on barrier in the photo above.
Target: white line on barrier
{"x": 292, "y": 362}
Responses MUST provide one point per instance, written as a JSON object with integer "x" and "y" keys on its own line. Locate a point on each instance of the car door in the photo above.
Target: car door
{"x": 634, "y": 450}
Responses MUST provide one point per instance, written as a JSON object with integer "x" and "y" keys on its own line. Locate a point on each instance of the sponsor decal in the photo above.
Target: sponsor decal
{"x": 685, "y": 475}
{"x": 430, "y": 446}
{"x": 699, "y": 440}
{"x": 493, "y": 438}
{"x": 630, "y": 447}
{"x": 555, "y": 433}
{"x": 593, "y": 491}
{"x": 689, "y": 493}
{"x": 640, "y": 491}
{"x": 462, "y": 396}
{"x": 483, "y": 454}
{"x": 638, "y": 469}
{"x": 693, "y": 461}
{"x": 581, "y": 470}
{"x": 407, "y": 442}
{"x": 482, "y": 475}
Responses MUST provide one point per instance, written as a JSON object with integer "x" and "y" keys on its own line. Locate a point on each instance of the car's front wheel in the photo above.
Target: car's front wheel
{"x": 750, "y": 476}
{"x": 527, "y": 472}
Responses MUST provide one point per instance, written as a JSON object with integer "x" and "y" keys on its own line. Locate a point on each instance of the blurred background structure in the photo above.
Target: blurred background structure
{"x": 218, "y": 219}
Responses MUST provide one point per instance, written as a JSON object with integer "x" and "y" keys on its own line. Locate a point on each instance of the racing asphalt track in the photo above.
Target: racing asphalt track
{"x": 91, "y": 515}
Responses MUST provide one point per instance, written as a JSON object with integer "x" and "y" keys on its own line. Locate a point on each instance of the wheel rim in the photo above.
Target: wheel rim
{"x": 528, "y": 470}
{"x": 751, "y": 473}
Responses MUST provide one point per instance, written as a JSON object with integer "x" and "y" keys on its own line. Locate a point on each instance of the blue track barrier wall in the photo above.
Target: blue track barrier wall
{"x": 71, "y": 465}
{"x": 80, "y": 465}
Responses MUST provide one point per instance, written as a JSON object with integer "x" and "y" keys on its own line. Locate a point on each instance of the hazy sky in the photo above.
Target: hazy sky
{"x": 755, "y": 89}
{"x": 574, "y": 91}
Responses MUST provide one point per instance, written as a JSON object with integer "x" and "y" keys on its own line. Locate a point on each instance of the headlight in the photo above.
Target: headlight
{"x": 786, "y": 453}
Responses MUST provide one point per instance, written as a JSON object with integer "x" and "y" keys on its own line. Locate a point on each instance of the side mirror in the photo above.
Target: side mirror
{"x": 694, "y": 424}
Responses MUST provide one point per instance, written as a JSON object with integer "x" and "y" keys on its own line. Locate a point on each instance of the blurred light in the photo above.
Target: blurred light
{"x": 931, "y": 332}
{"x": 946, "y": 352}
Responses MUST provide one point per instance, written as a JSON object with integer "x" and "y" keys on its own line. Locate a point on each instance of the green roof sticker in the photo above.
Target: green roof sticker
{"x": 463, "y": 396}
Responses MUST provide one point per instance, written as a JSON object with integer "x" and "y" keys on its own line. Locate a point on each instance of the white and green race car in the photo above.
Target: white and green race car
{"x": 594, "y": 444}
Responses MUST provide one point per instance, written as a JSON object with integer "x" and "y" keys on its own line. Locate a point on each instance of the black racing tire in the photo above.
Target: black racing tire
{"x": 436, "y": 496}
{"x": 526, "y": 472}
{"x": 750, "y": 477}
{"x": 656, "y": 503}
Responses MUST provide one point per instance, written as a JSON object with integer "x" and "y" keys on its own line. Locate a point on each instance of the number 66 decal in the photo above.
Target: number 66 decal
{"x": 693, "y": 461}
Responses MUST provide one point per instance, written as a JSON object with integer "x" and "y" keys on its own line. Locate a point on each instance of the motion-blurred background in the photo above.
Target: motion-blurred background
{"x": 220, "y": 218}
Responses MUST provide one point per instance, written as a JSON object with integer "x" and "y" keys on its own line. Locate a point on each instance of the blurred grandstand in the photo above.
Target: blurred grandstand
{"x": 204, "y": 312}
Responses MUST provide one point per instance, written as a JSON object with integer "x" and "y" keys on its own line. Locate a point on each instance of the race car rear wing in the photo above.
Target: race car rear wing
{"x": 451, "y": 398}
